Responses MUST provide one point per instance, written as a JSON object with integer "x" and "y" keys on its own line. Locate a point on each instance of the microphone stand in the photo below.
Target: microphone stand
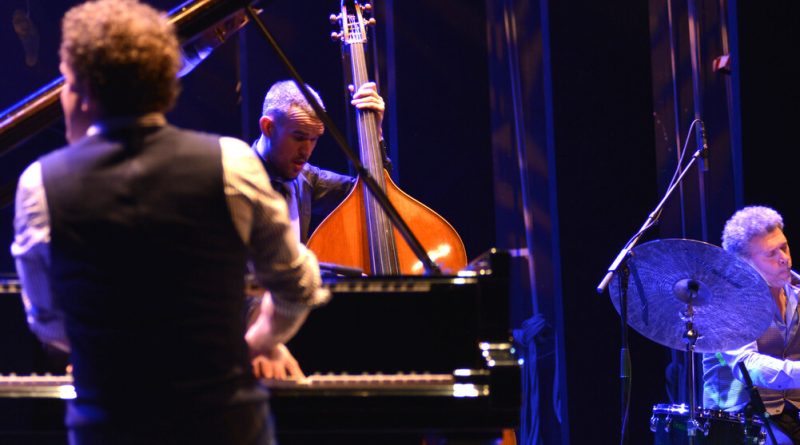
{"x": 621, "y": 262}
{"x": 431, "y": 267}
{"x": 651, "y": 220}
{"x": 624, "y": 353}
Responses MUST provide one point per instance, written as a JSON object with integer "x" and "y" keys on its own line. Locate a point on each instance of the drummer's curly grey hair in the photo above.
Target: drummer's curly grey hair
{"x": 746, "y": 224}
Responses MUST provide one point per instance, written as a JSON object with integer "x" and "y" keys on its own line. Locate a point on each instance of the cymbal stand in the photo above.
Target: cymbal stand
{"x": 690, "y": 336}
{"x": 624, "y": 356}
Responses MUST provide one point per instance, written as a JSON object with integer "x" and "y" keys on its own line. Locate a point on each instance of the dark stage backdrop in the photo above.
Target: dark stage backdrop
{"x": 768, "y": 41}
{"x": 606, "y": 171}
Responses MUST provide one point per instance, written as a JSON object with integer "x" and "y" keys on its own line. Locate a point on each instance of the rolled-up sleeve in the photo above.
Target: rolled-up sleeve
{"x": 31, "y": 252}
{"x": 765, "y": 371}
{"x": 279, "y": 262}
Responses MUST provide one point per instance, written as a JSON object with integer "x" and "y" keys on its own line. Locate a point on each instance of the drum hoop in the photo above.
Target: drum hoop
{"x": 682, "y": 410}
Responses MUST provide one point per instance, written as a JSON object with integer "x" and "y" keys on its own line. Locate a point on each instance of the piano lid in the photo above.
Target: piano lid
{"x": 192, "y": 19}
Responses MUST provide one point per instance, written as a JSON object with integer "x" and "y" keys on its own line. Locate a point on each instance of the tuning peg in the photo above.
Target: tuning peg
{"x": 336, "y": 36}
{"x": 334, "y": 18}
{"x": 371, "y": 22}
{"x": 367, "y": 7}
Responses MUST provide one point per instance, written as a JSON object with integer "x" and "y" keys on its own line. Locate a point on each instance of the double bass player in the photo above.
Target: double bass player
{"x": 290, "y": 131}
{"x": 357, "y": 233}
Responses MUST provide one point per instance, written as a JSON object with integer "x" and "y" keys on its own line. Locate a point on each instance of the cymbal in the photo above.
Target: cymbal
{"x": 732, "y": 303}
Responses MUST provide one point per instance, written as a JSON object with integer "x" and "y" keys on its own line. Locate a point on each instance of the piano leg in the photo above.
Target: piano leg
{"x": 507, "y": 437}
{"x": 32, "y": 421}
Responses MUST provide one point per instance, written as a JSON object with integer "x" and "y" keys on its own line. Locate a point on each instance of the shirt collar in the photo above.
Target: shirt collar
{"x": 116, "y": 123}
{"x": 791, "y": 292}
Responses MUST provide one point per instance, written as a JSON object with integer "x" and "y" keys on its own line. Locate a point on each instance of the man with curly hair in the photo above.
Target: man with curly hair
{"x": 755, "y": 234}
{"x": 132, "y": 244}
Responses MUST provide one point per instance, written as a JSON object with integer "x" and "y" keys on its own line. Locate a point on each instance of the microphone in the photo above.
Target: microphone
{"x": 704, "y": 152}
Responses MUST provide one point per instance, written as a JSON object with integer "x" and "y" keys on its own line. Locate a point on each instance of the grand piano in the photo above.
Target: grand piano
{"x": 390, "y": 360}
{"x": 407, "y": 355}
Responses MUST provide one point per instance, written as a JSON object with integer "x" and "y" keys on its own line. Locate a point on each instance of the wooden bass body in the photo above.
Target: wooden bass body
{"x": 342, "y": 236}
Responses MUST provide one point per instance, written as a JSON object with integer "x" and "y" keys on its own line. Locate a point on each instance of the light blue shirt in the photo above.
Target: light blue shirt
{"x": 773, "y": 362}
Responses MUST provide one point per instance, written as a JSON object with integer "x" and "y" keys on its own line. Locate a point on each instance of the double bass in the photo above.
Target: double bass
{"x": 358, "y": 233}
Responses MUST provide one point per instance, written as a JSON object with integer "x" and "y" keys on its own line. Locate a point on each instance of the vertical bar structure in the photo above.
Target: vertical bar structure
{"x": 730, "y": 48}
{"x": 526, "y": 208}
{"x": 243, "y": 87}
{"x": 695, "y": 387}
{"x": 697, "y": 101}
{"x": 391, "y": 88}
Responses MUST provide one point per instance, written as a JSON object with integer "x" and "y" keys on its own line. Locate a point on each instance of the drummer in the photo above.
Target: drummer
{"x": 755, "y": 234}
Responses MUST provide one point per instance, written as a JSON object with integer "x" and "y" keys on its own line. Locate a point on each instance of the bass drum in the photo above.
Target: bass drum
{"x": 714, "y": 427}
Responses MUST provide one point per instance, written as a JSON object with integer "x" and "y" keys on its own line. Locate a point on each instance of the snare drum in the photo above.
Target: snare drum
{"x": 714, "y": 427}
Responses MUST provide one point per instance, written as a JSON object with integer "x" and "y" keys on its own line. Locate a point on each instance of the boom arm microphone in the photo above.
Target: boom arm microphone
{"x": 704, "y": 152}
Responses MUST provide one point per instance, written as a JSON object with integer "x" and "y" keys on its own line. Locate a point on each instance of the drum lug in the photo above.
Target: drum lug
{"x": 691, "y": 427}
{"x": 761, "y": 437}
{"x": 706, "y": 428}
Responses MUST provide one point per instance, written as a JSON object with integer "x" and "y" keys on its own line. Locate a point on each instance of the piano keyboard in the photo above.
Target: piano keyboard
{"x": 10, "y": 286}
{"x": 37, "y": 386}
{"x": 365, "y": 385}
{"x": 361, "y": 385}
{"x": 365, "y": 380}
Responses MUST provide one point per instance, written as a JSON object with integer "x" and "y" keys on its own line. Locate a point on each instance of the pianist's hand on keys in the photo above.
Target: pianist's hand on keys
{"x": 278, "y": 364}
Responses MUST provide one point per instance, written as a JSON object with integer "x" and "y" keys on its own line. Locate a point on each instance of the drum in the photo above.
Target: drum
{"x": 714, "y": 427}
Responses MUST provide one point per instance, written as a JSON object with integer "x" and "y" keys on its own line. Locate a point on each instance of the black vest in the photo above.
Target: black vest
{"x": 148, "y": 268}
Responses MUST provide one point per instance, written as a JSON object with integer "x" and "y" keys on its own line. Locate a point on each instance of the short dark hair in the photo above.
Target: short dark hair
{"x": 284, "y": 95}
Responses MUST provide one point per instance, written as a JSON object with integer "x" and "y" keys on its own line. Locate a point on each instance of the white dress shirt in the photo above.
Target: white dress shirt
{"x": 257, "y": 211}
